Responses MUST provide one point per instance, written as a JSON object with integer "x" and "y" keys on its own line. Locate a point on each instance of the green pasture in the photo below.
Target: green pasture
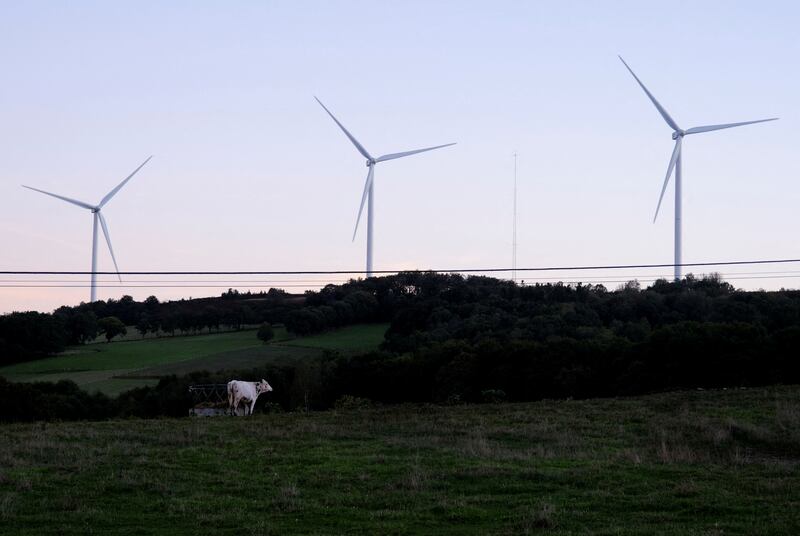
{"x": 233, "y": 359}
{"x": 134, "y": 335}
{"x": 117, "y": 366}
{"x": 685, "y": 463}
{"x": 354, "y": 339}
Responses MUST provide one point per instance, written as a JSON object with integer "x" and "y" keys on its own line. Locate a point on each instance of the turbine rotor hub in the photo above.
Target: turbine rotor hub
{"x": 371, "y": 162}
{"x": 678, "y": 134}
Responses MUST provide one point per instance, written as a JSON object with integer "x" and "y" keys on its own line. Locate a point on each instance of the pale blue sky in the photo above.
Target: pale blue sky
{"x": 249, "y": 172}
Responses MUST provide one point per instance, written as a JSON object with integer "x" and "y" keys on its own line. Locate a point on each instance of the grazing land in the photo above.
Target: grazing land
{"x": 246, "y": 358}
{"x": 117, "y": 366}
{"x": 354, "y": 339}
{"x": 133, "y": 335}
{"x": 700, "y": 462}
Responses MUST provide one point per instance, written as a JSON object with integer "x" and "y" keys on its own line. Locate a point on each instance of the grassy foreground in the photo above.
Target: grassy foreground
{"x": 716, "y": 462}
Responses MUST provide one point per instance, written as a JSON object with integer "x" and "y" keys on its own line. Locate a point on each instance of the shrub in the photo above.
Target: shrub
{"x": 349, "y": 402}
{"x": 494, "y": 396}
{"x": 265, "y": 332}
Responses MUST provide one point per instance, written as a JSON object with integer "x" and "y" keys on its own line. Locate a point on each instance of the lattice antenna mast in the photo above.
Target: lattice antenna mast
{"x": 514, "y": 232}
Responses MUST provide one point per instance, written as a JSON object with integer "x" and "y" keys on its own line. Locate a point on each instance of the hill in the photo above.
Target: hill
{"x": 696, "y": 462}
{"x": 452, "y": 338}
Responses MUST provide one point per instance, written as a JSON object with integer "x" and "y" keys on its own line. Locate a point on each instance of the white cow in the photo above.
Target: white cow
{"x": 247, "y": 392}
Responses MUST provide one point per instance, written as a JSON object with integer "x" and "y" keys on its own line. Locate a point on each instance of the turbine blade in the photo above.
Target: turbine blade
{"x": 110, "y": 194}
{"x": 671, "y": 122}
{"x": 108, "y": 241}
{"x": 367, "y": 186}
{"x": 360, "y": 147}
{"x": 675, "y": 154}
{"x": 67, "y": 199}
{"x": 409, "y": 153}
{"x": 709, "y": 128}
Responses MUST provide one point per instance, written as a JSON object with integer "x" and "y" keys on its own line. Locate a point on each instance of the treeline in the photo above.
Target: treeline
{"x": 454, "y": 338}
{"x": 469, "y": 339}
{"x": 682, "y": 356}
{"x": 321, "y": 314}
{"x": 31, "y": 335}
{"x": 686, "y": 354}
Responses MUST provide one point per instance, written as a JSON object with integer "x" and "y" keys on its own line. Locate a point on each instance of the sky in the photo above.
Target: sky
{"x": 249, "y": 173}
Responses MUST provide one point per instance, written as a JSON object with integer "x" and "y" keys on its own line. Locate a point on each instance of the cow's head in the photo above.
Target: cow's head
{"x": 263, "y": 386}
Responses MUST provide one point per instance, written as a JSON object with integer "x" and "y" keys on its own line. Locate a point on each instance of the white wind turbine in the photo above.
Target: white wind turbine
{"x": 369, "y": 185}
{"x": 98, "y": 216}
{"x": 675, "y": 163}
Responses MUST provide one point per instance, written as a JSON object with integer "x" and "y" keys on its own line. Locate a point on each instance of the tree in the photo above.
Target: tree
{"x": 265, "y": 332}
{"x": 145, "y": 324}
{"x": 80, "y": 322}
{"x": 151, "y": 305}
{"x": 28, "y": 335}
{"x": 111, "y": 326}
{"x": 305, "y": 321}
{"x": 168, "y": 322}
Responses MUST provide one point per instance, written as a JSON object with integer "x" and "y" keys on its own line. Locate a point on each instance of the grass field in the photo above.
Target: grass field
{"x": 364, "y": 338}
{"x": 235, "y": 359}
{"x": 133, "y": 335}
{"x": 706, "y": 463}
{"x": 115, "y": 367}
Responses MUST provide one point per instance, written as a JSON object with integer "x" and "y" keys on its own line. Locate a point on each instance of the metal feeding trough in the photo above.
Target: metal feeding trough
{"x": 210, "y": 399}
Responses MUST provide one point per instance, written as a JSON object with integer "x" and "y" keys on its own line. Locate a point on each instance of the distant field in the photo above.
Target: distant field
{"x": 694, "y": 463}
{"x": 134, "y": 335}
{"x": 361, "y": 338}
{"x": 117, "y": 366}
{"x": 136, "y": 354}
{"x": 235, "y": 359}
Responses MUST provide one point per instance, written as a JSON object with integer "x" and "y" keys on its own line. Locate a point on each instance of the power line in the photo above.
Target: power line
{"x": 311, "y": 282}
{"x": 148, "y": 286}
{"x": 459, "y": 270}
{"x": 594, "y": 280}
{"x": 221, "y": 281}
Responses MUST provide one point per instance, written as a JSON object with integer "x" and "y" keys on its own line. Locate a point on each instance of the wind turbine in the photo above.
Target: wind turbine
{"x": 675, "y": 163}
{"x": 369, "y": 185}
{"x": 97, "y": 216}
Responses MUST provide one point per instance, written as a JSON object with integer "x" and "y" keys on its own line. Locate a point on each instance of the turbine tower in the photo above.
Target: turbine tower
{"x": 97, "y": 217}
{"x": 675, "y": 163}
{"x": 369, "y": 185}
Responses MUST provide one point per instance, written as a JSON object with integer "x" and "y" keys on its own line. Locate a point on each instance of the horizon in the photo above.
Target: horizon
{"x": 249, "y": 172}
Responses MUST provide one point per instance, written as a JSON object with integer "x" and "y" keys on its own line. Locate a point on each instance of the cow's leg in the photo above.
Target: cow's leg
{"x": 234, "y": 399}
